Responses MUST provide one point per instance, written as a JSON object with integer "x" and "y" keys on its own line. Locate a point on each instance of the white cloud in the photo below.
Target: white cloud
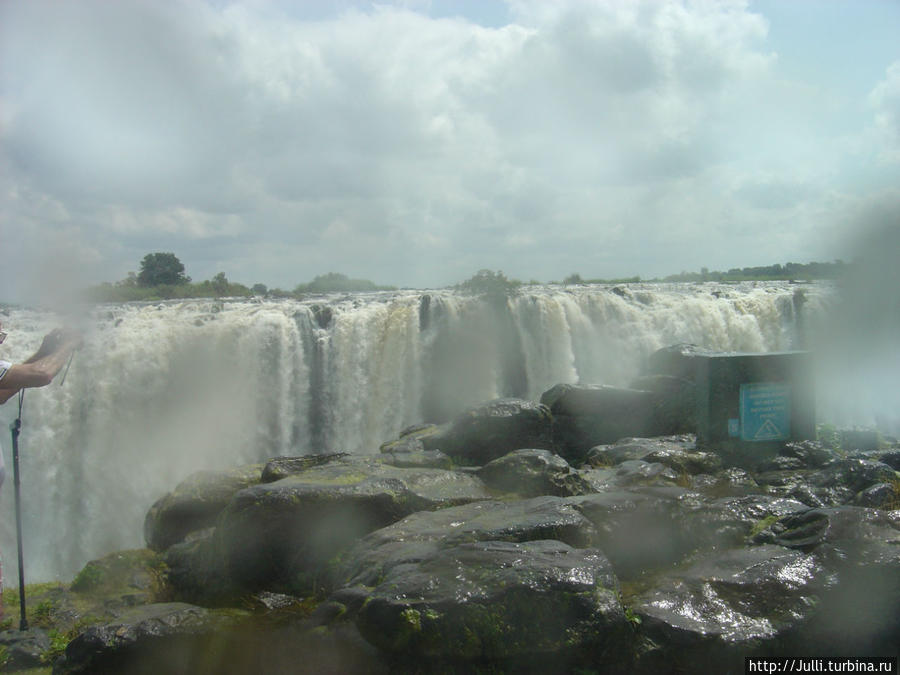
{"x": 885, "y": 100}
{"x": 382, "y": 142}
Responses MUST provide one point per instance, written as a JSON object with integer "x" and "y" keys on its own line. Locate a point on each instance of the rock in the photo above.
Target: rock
{"x": 639, "y": 529}
{"x": 194, "y": 504}
{"x": 585, "y": 416}
{"x": 410, "y": 439}
{"x": 879, "y": 496}
{"x": 24, "y": 649}
{"x": 812, "y": 454}
{"x": 282, "y": 467}
{"x": 637, "y": 448}
{"x": 859, "y": 548}
{"x": 489, "y": 431}
{"x": 675, "y": 405}
{"x": 280, "y": 536}
{"x": 854, "y": 475}
{"x": 510, "y": 603}
{"x": 675, "y": 361}
{"x": 140, "y": 636}
{"x": 532, "y": 473}
{"x": 892, "y": 459}
{"x": 726, "y": 606}
{"x": 639, "y": 472}
{"x": 843, "y": 533}
{"x": 197, "y": 571}
{"x": 646, "y": 529}
{"x": 421, "y": 534}
{"x": 419, "y": 459}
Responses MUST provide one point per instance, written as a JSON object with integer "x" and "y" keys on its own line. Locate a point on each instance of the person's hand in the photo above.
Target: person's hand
{"x": 57, "y": 339}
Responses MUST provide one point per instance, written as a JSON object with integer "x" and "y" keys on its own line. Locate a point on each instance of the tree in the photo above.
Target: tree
{"x": 159, "y": 269}
{"x": 220, "y": 284}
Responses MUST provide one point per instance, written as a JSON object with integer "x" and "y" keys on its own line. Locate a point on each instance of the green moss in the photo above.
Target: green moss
{"x": 88, "y": 578}
{"x": 761, "y": 525}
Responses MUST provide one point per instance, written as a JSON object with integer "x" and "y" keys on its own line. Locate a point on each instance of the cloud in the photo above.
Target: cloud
{"x": 885, "y": 101}
{"x": 413, "y": 148}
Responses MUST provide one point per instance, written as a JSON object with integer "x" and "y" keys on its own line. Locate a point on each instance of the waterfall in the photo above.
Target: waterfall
{"x": 161, "y": 390}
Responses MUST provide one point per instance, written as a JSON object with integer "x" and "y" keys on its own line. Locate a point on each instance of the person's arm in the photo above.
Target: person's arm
{"x": 40, "y": 369}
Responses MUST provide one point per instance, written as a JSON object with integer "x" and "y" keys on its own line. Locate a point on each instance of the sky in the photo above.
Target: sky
{"x": 416, "y": 142}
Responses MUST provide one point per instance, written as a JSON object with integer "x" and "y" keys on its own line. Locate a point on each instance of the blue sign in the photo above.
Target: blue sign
{"x": 734, "y": 427}
{"x": 765, "y": 411}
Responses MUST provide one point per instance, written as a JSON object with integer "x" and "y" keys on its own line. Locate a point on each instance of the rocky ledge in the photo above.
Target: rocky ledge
{"x": 488, "y": 545}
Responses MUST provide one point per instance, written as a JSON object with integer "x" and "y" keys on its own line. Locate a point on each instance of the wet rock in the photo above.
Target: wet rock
{"x": 194, "y": 504}
{"x": 515, "y": 604}
{"x": 586, "y": 416}
{"x": 892, "y": 459}
{"x": 281, "y": 535}
{"x": 638, "y": 472}
{"x": 531, "y": 473}
{"x": 726, "y": 606}
{"x": 879, "y": 496}
{"x": 674, "y": 406}
{"x": 489, "y": 431}
{"x": 282, "y": 467}
{"x": 675, "y": 360}
{"x": 142, "y": 634}
{"x": 860, "y": 549}
{"x": 420, "y": 534}
{"x": 24, "y": 649}
{"x": 420, "y": 459}
{"x": 640, "y": 529}
{"x": 843, "y": 533}
{"x": 853, "y": 475}
{"x": 812, "y": 454}
{"x": 637, "y": 448}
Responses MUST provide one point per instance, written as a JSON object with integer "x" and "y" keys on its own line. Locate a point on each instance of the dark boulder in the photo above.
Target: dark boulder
{"x": 147, "y": 639}
{"x": 24, "y": 649}
{"x": 282, "y": 467}
{"x": 281, "y": 535}
{"x": 679, "y": 453}
{"x": 727, "y": 605}
{"x": 195, "y": 504}
{"x": 585, "y": 416}
{"x": 533, "y": 606}
{"x": 675, "y": 361}
{"x": 859, "y": 549}
{"x": 420, "y": 459}
{"x": 420, "y": 534}
{"x": 532, "y": 473}
{"x": 489, "y": 431}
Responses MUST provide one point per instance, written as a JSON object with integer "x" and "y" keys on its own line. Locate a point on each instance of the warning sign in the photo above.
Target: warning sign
{"x": 765, "y": 411}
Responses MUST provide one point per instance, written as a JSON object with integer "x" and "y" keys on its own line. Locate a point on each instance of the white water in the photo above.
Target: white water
{"x": 162, "y": 390}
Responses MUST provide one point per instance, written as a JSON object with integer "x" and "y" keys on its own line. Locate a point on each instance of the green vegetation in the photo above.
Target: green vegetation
{"x": 162, "y": 277}
{"x": 161, "y": 269}
{"x": 787, "y": 272}
{"x": 485, "y": 282}
{"x": 335, "y": 282}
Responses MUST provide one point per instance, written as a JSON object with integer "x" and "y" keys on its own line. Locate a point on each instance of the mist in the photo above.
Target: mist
{"x": 858, "y": 347}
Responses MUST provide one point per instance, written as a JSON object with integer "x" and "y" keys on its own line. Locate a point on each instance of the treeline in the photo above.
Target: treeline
{"x": 162, "y": 277}
{"x": 788, "y": 272}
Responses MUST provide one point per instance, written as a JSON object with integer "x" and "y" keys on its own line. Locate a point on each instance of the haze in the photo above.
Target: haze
{"x": 413, "y": 143}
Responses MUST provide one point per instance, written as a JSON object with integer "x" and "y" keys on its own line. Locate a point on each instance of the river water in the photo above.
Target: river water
{"x": 164, "y": 389}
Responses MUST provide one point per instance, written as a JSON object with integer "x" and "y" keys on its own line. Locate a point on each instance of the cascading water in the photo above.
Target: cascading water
{"x": 162, "y": 390}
